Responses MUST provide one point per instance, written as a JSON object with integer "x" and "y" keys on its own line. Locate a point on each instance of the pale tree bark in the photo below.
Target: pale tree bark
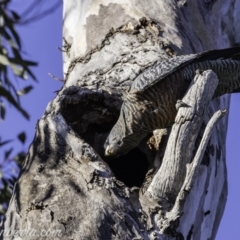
{"x": 66, "y": 184}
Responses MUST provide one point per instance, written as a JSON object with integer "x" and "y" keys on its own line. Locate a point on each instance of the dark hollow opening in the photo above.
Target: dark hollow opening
{"x": 130, "y": 168}
{"x": 93, "y": 123}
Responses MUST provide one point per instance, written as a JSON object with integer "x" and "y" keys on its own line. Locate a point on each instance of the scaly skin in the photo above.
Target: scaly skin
{"x": 150, "y": 104}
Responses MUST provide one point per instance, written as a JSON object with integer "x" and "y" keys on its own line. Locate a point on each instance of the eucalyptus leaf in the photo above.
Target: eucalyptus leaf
{"x": 19, "y": 71}
{"x": 7, "y": 153}
{"x": 6, "y": 35}
{"x": 4, "y": 60}
{"x": 20, "y": 61}
{"x": 12, "y": 62}
{"x": 31, "y": 74}
{"x": 19, "y": 158}
{"x": 6, "y": 94}
{"x": 22, "y": 137}
{"x": 5, "y": 142}
{"x": 2, "y": 110}
{"x": 9, "y": 24}
{"x": 15, "y": 15}
{"x": 25, "y": 90}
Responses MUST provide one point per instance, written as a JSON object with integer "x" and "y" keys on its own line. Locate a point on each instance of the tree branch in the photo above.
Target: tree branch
{"x": 192, "y": 170}
{"x": 170, "y": 177}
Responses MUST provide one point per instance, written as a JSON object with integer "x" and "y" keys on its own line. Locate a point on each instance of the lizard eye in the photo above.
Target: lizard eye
{"x": 119, "y": 142}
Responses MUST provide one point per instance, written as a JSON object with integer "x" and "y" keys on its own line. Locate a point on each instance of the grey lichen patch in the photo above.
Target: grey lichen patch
{"x": 36, "y": 206}
{"x": 147, "y": 180}
{"x": 166, "y": 46}
{"x": 105, "y": 20}
{"x": 34, "y": 187}
{"x": 99, "y": 182}
{"x": 41, "y": 168}
{"x": 67, "y": 222}
{"x": 121, "y": 189}
{"x": 136, "y": 46}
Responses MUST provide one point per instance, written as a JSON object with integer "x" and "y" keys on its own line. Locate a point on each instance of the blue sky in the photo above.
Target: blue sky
{"x": 40, "y": 42}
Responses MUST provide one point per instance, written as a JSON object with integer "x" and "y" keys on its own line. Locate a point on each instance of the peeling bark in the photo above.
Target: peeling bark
{"x": 67, "y": 184}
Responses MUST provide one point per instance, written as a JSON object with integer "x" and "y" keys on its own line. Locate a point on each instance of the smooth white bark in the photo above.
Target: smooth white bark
{"x": 65, "y": 184}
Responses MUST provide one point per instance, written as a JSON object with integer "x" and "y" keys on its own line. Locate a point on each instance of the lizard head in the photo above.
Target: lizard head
{"x": 117, "y": 141}
{"x": 116, "y": 146}
{"x": 124, "y": 135}
{"x": 113, "y": 147}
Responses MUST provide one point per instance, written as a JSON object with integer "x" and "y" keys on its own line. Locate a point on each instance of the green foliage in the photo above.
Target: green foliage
{"x": 22, "y": 137}
{"x": 11, "y": 60}
{"x": 7, "y": 177}
{"x": 5, "y": 195}
{"x": 12, "y": 63}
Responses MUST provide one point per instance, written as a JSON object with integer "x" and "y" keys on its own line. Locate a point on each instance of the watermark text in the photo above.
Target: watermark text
{"x": 31, "y": 233}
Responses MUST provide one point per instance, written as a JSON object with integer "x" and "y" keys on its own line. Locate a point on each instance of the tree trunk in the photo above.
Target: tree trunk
{"x": 68, "y": 187}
